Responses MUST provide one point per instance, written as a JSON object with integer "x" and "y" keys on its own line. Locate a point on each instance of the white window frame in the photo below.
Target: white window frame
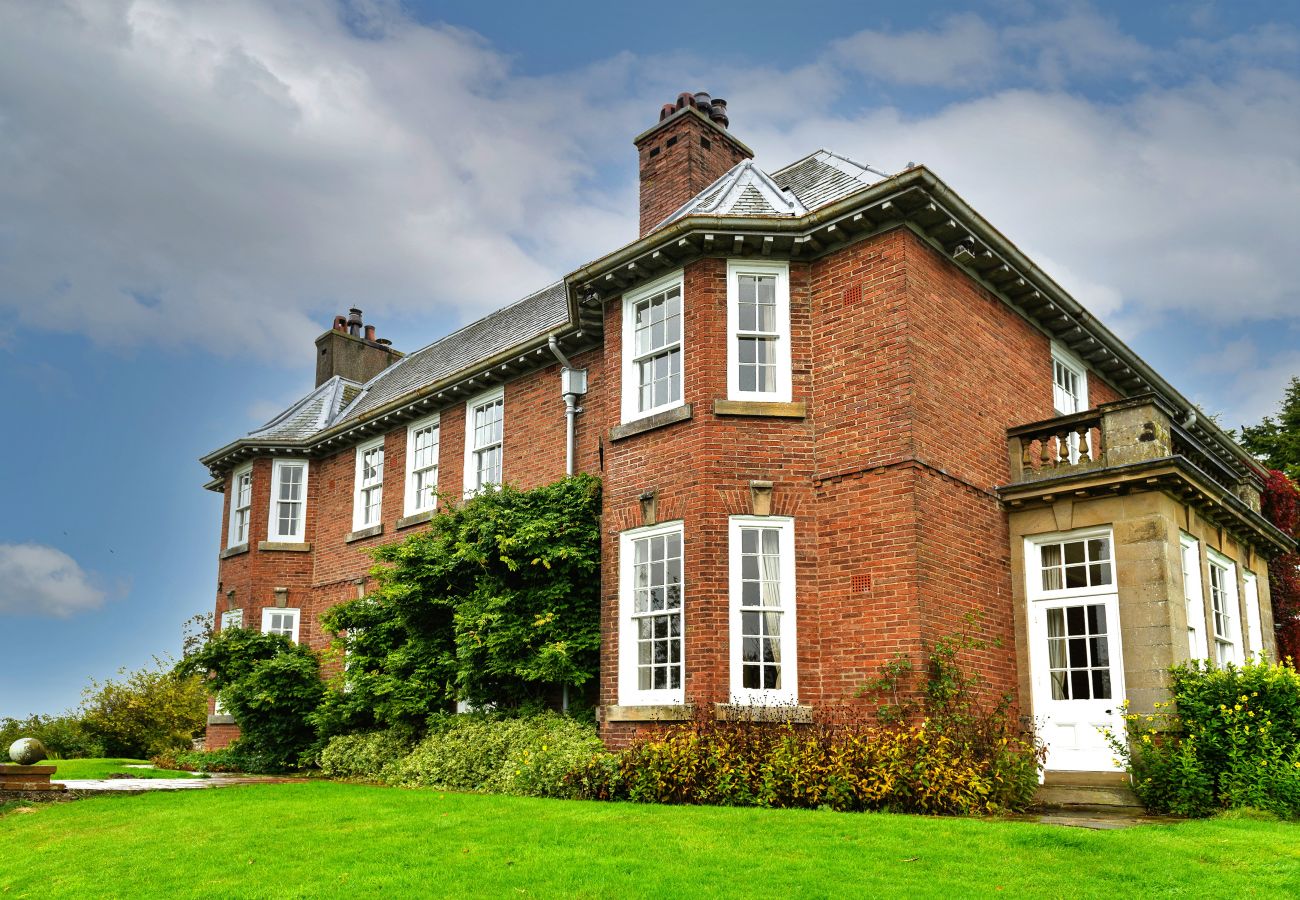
{"x": 1227, "y": 643}
{"x": 269, "y": 611}
{"x": 472, "y": 485}
{"x": 360, "y": 489}
{"x": 789, "y": 640}
{"x": 629, "y": 690}
{"x": 631, "y": 386}
{"x": 781, "y": 334}
{"x": 273, "y": 532}
{"x": 1034, "y": 563}
{"x": 1198, "y": 645}
{"x": 1254, "y": 627}
{"x": 236, "y": 477}
{"x": 412, "y": 504}
{"x": 1067, "y": 360}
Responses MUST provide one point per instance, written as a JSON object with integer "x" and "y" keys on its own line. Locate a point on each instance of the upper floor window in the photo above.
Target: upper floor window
{"x": 232, "y": 618}
{"x": 763, "y": 649}
{"x": 1075, "y": 564}
{"x": 288, "y": 500}
{"x": 484, "y": 435}
{"x": 281, "y": 621}
{"x": 758, "y": 326}
{"x": 421, "y": 466}
{"x": 1069, "y": 382}
{"x": 368, "y": 501}
{"x": 651, "y": 600}
{"x": 1223, "y": 606}
{"x": 652, "y": 348}
{"x": 1197, "y": 646}
{"x": 241, "y": 505}
{"x": 1254, "y": 628}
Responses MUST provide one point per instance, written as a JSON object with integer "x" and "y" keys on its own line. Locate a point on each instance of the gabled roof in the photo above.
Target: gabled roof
{"x": 310, "y": 414}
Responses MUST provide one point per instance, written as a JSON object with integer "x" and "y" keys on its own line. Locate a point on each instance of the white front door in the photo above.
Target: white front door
{"x": 1075, "y": 652}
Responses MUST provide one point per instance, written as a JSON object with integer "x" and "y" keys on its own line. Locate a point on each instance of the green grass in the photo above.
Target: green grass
{"x": 321, "y": 838}
{"x": 102, "y": 768}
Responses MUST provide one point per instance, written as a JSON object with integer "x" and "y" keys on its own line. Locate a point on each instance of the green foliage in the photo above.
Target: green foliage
{"x": 937, "y": 746}
{"x": 63, "y": 736}
{"x": 496, "y": 603}
{"x": 528, "y": 756}
{"x": 847, "y": 765}
{"x": 271, "y": 686}
{"x": 365, "y": 755}
{"x": 1276, "y": 442}
{"x": 1229, "y": 739}
{"x": 144, "y": 712}
{"x": 227, "y": 759}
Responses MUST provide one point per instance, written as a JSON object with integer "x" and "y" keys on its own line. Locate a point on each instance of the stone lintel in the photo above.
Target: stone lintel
{"x": 362, "y": 533}
{"x": 283, "y": 547}
{"x": 649, "y": 423}
{"x": 416, "y": 519}
{"x": 762, "y": 408}
{"x": 665, "y": 712}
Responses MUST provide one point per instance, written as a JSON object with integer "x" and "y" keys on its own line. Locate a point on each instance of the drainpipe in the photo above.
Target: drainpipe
{"x": 573, "y": 384}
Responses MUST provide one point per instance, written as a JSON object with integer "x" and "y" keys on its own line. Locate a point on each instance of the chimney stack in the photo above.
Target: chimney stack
{"x": 688, "y": 150}
{"x": 351, "y": 349}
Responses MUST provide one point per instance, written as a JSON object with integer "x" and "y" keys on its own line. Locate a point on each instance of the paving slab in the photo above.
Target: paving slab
{"x": 138, "y": 785}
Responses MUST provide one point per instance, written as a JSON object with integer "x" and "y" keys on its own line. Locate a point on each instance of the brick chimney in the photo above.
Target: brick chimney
{"x": 351, "y": 349}
{"x": 686, "y": 152}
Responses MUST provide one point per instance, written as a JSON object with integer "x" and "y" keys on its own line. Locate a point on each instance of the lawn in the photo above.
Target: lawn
{"x": 319, "y": 838}
{"x": 102, "y": 768}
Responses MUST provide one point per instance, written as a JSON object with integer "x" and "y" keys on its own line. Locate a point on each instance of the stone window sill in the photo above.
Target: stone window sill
{"x": 764, "y": 408}
{"x": 235, "y": 550}
{"x": 781, "y": 712}
{"x": 362, "y": 533}
{"x": 221, "y": 720}
{"x": 283, "y": 547}
{"x": 668, "y": 712}
{"x": 415, "y": 519}
{"x": 650, "y": 423}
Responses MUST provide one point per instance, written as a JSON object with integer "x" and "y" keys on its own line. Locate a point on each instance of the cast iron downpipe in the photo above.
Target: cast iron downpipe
{"x": 573, "y": 384}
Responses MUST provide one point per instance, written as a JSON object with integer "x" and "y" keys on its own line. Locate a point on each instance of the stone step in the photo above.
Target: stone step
{"x": 1088, "y": 779}
{"x": 1086, "y": 796}
{"x": 32, "y": 786}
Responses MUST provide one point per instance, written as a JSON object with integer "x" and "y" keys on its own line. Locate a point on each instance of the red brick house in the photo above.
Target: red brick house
{"x": 834, "y": 411}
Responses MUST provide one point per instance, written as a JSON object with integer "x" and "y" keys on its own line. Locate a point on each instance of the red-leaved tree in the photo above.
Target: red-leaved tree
{"x": 1281, "y": 504}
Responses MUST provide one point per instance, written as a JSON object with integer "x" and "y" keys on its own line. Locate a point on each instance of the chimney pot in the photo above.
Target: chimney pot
{"x": 702, "y": 101}
{"x": 340, "y": 323}
{"x": 354, "y": 322}
{"x": 718, "y": 112}
{"x": 383, "y": 342}
{"x": 685, "y": 99}
{"x": 666, "y": 110}
{"x": 370, "y": 333}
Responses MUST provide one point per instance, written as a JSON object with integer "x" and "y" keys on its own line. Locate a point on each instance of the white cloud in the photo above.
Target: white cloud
{"x": 233, "y": 174}
{"x": 964, "y": 52}
{"x": 42, "y": 581}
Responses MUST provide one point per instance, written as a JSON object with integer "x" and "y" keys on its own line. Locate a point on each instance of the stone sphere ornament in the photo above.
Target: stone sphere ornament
{"x": 27, "y": 751}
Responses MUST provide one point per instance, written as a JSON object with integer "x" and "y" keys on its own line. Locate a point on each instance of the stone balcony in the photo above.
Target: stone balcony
{"x": 1131, "y": 445}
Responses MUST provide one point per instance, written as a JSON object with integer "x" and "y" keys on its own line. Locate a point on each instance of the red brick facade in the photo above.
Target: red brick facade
{"x": 906, "y": 373}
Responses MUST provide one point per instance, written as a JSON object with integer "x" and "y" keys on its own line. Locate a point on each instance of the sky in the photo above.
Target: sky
{"x": 190, "y": 191}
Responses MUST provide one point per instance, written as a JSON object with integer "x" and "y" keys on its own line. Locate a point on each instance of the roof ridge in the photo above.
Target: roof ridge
{"x": 293, "y": 408}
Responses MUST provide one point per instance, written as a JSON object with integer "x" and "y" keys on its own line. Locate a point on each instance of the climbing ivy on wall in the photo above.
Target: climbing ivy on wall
{"x": 495, "y": 603}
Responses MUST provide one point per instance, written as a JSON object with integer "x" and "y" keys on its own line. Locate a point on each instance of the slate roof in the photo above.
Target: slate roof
{"x": 310, "y": 414}
{"x": 799, "y": 188}
{"x": 339, "y": 400}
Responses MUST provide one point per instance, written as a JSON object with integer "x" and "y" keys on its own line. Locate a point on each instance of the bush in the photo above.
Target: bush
{"x": 850, "y": 764}
{"x": 148, "y": 711}
{"x": 63, "y": 736}
{"x": 529, "y": 756}
{"x": 1229, "y": 739}
{"x": 228, "y": 759}
{"x": 365, "y": 755}
{"x": 271, "y": 686}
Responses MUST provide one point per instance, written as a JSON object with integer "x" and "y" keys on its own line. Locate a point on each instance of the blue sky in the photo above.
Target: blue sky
{"x": 189, "y": 193}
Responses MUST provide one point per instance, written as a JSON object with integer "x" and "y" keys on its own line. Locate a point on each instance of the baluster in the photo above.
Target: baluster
{"x": 1063, "y": 448}
{"x": 1085, "y": 440}
{"x": 1027, "y": 454}
{"x": 1045, "y": 453}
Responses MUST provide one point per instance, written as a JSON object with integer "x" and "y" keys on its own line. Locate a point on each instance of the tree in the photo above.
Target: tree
{"x": 497, "y": 603}
{"x": 146, "y": 712}
{"x": 270, "y": 685}
{"x": 1276, "y": 442}
{"x": 1280, "y": 503}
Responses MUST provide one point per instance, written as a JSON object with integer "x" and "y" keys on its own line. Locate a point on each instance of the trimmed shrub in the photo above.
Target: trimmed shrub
{"x": 227, "y": 759}
{"x": 1229, "y": 739}
{"x": 483, "y": 752}
{"x": 367, "y": 755}
{"x": 63, "y": 736}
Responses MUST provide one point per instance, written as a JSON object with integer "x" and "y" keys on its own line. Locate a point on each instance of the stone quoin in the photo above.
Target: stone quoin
{"x": 835, "y": 412}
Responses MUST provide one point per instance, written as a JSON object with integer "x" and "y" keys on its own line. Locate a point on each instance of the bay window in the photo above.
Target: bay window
{"x": 652, "y": 348}
{"x": 241, "y": 505}
{"x": 288, "y": 517}
{"x": 1223, "y": 606}
{"x": 758, "y": 328}
{"x": 651, "y": 601}
{"x": 762, "y": 588}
